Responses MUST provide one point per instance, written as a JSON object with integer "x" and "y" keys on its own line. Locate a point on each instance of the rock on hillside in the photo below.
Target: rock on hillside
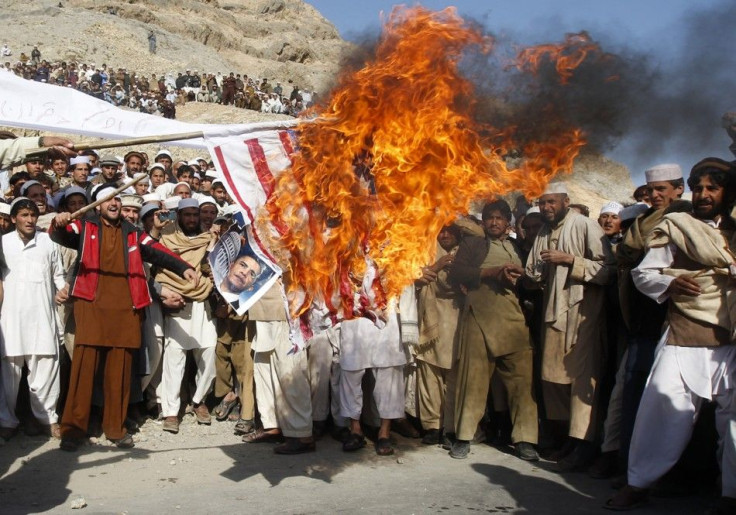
{"x": 278, "y": 39}
{"x": 597, "y": 180}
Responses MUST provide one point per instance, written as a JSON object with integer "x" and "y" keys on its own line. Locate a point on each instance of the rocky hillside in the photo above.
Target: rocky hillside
{"x": 278, "y": 39}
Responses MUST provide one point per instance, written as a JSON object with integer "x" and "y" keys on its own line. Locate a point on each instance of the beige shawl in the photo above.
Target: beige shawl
{"x": 193, "y": 251}
{"x": 707, "y": 245}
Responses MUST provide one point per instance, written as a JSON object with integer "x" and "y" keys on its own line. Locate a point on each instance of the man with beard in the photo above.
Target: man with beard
{"x": 192, "y": 327}
{"x": 572, "y": 258}
{"x": 494, "y": 336}
{"x": 133, "y": 163}
{"x": 689, "y": 265}
{"x": 32, "y": 273}
{"x": 110, "y": 291}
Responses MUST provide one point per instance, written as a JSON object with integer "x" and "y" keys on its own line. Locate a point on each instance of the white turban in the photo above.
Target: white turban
{"x": 555, "y": 188}
{"x": 611, "y": 208}
{"x": 663, "y": 172}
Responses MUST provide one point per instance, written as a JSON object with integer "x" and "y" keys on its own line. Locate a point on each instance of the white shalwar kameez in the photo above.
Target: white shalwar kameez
{"x": 682, "y": 378}
{"x": 364, "y": 346}
{"x": 193, "y": 330}
{"x": 32, "y": 274}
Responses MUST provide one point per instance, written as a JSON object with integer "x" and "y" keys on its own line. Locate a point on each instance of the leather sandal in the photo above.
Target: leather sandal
{"x": 384, "y": 447}
{"x": 261, "y": 436}
{"x": 353, "y": 442}
{"x": 223, "y": 409}
{"x": 244, "y": 427}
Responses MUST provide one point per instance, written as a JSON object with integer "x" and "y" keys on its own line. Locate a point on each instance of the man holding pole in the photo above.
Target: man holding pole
{"x": 110, "y": 291}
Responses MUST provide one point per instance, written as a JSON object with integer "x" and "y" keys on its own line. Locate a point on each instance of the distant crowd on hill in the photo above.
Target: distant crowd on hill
{"x": 159, "y": 93}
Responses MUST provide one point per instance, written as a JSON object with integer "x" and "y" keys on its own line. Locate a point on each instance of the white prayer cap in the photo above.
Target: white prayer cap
{"x": 151, "y": 197}
{"x": 4, "y": 208}
{"x": 157, "y": 165}
{"x": 663, "y": 172}
{"x": 218, "y": 181}
{"x": 633, "y": 211}
{"x": 194, "y": 162}
{"x": 16, "y": 201}
{"x": 188, "y": 202}
{"x": 206, "y": 199}
{"x": 27, "y": 185}
{"x": 172, "y": 202}
{"x": 532, "y": 210}
{"x": 94, "y": 171}
{"x": 144, "y": 180}
{"x": 163, "y": 153}
{"x": 79, "y": 160}
{"x": 611, "y": 208}
{"x": 555, "y": 188}
{"x": 211, "y": 174}
{"x": 103, "y": 191}
{"x": 182, "y": 184}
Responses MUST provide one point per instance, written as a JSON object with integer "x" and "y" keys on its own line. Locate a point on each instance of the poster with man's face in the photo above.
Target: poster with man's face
{"x": 242, "y": 271}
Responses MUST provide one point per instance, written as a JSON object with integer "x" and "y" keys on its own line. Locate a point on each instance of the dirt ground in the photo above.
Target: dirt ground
{"x": 206, "y": 469}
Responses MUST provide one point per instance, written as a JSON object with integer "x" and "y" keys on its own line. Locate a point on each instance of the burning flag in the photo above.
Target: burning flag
{"x": 395, "y": 155}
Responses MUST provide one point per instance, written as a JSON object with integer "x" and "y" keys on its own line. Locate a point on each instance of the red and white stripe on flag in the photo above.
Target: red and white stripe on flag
{"x": 249, "y": 164}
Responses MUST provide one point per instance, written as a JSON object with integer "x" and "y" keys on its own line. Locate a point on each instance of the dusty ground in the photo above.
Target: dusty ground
{"x": 208, "y": 470}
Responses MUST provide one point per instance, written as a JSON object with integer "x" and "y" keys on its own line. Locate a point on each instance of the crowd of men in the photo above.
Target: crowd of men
{"x": 595, "y": 342}
{"x": 161, "y": 93}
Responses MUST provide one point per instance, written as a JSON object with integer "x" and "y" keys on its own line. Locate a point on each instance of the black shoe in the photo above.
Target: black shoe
{"x": 447, "y": 440}
{"x": 526, "y": 451}
{"x": 431, "y": 437}
{"x": 460, "y": 449}
{"x": 294, "y": 446}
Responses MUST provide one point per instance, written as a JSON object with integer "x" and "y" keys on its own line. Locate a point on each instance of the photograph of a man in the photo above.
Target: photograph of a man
{"x": 239, "y": 272}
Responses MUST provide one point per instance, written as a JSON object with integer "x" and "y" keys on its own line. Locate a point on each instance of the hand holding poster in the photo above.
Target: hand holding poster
{"x": 242, "y": 272}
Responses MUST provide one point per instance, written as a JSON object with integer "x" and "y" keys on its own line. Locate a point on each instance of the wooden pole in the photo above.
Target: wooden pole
{"x": 80, "y": 212}
{"x": 123, "y": 142}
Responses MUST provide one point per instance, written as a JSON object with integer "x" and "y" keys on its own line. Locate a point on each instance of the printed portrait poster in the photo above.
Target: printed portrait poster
{"x": 241, "y": 270}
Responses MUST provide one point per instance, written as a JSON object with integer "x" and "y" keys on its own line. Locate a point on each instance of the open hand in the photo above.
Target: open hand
{"x": 684, "y": 285}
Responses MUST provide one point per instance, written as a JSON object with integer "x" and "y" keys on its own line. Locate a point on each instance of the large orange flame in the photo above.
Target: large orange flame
{"x": 394, "y": 157}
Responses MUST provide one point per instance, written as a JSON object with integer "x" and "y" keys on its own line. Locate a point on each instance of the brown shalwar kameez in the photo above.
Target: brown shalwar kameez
{"x": 107, "y": 328}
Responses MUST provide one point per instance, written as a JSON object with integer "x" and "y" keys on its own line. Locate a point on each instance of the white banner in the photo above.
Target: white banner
{"x": 36, "y": 105}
